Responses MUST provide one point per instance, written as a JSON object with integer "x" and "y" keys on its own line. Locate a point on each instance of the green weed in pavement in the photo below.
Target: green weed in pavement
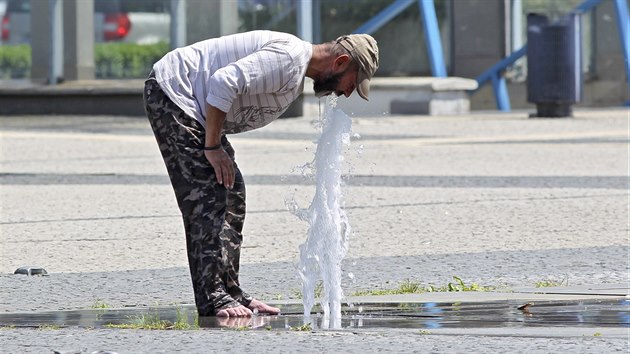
{"x": 551, "y": 283}
{"x": 98, "y": 304}
{"x": 411, "y": 287}
{"x": 303, "y": 328}
{"x": 152, "y": 321}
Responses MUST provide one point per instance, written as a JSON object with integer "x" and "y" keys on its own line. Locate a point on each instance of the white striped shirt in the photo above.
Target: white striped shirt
{"x": 252, "y": 76}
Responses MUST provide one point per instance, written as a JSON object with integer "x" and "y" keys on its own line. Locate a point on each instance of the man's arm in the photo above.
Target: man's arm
{"x": 265, "y": 71}
{"x": 219, "y": 159}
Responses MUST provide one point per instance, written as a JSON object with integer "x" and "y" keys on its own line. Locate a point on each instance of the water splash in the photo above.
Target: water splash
{"x": 327, "y": 240}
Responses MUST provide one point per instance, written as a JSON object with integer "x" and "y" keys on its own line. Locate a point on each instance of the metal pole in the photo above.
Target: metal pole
{"x": 500, "y": 92}
{"x": 229, "y": 16}
{"x": 55, "y": 51}
{"x": 507, "y": 27}
{"x": 517, "y": 25}
{"x": 317, "y": 21}
{"x": 624, "y": 32}
{"x": 178, "y": 23}
{"x": 305, "y": 20}
{"x": 587, "y": 5}
{"x": 432, "y": 37}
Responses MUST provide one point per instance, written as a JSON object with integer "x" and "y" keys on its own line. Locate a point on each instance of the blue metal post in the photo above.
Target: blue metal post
{"x": 500, "y": 92}
{"x": 432, "y": 37}
{"x": 384, "y": 16}
{"x": 587, "y": 5}
{"x": 624, "y": 29}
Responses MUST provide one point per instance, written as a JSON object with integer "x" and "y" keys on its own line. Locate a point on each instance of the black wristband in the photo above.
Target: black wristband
{"x": 212, "y": 148}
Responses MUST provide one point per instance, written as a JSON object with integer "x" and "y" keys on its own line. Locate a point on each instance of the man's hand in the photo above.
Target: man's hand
{"x": 219, "y": 159}
{"x": 223, "y": 167}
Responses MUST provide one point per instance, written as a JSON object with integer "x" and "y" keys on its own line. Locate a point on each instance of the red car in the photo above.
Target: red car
{"x": 133, "y": 21}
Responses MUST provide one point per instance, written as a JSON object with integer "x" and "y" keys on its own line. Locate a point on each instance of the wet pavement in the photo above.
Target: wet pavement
{"x": 614, "y": 313}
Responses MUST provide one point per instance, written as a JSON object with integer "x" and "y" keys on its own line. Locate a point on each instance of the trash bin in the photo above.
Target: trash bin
{"x": 554, "y": 64}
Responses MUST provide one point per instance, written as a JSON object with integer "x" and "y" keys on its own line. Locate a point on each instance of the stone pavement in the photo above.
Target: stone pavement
{"x": 495, "y": 199}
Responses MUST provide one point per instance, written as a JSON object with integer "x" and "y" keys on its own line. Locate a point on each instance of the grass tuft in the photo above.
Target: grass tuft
{"x": 148, "y": 321}
{"x": 552, "y": 283}
{"x": 98, "y": 304}
{"x": 411, "y": 287}
{"x": 303, "y": 328}
{"x": 152, "y": 321}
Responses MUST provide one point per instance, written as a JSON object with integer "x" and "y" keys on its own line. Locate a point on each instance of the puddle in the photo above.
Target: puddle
{"x": 429, "y": 315}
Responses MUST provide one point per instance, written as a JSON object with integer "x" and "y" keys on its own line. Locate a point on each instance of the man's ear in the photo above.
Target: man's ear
{"x": 342, "y": 60}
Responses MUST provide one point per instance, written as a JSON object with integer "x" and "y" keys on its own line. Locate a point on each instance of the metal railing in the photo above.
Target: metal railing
{"x": 430, "y": 25}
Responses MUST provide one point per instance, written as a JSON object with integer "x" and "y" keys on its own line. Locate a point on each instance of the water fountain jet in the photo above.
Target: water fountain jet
{"x": 327, "y": 239}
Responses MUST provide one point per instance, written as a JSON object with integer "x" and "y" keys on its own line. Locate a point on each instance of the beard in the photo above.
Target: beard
{"x": 327, "y": 84}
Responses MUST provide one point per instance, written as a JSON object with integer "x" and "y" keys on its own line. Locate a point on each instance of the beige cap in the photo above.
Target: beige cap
{"x": 363, "y": 49}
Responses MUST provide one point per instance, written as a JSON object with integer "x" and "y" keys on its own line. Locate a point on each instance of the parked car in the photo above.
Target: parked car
{"x": 132, "y": 21}
{"x": 3, "y": 9}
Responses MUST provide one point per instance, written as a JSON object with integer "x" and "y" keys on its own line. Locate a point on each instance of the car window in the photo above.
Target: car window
{"x": 145, "y": 6}
{"x": 117, "y": 6}
{"x": 105, "y": 6}
{"x": 19, "y": 6}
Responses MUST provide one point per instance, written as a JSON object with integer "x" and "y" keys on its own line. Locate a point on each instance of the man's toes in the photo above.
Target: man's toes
{"x": 272, "y": 310}
{"x": 264, "y": 308}
{"x": 240, "y": 311}
{"x": 223, "y": 313}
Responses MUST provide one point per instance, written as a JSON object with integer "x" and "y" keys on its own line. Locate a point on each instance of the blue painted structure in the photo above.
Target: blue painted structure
{"x": 432, "y": 37}
{"x": 431, "y": 29}
{"x": 495, "y": 73}
{"x": 386, "y": 15}
{"x": 624, "y": 35}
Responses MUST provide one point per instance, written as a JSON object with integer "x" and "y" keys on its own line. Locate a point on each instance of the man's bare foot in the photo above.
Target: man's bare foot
{"x": 238, "y": 311}
{"x": 261, "y": 307}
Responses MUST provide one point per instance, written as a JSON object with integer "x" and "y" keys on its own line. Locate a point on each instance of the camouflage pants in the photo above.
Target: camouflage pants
{"x": 213, "y": 216}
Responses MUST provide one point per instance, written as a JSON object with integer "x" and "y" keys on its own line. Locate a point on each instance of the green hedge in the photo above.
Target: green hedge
{"x": 112, "y": 60}
{"x": 126, "y": 60}
{"x": 15, "y": 61}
